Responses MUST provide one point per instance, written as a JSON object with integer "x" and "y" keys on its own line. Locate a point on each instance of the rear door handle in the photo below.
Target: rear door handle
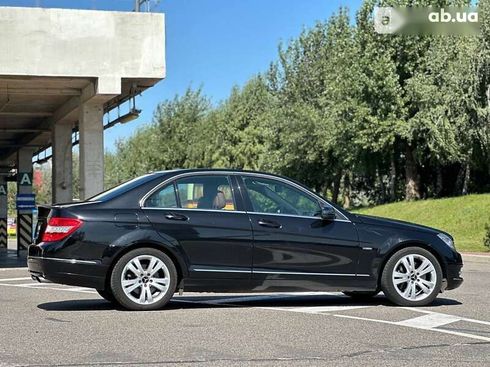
{"x": 174, "y": 216}
{"x": 269, "y": 223}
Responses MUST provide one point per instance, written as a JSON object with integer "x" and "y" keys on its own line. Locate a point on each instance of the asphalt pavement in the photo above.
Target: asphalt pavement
{"x": 55, "y": 325}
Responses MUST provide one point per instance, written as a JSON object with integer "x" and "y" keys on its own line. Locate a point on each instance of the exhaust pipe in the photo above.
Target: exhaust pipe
{"x": 39, "y": 278}
{"x": 36, "y": 278}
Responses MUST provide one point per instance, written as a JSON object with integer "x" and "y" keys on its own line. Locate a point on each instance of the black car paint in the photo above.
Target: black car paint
{"x": 229, "y": 251}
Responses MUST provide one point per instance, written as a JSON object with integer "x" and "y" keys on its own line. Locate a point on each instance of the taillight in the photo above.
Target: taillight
{"x": 60, "y": 228}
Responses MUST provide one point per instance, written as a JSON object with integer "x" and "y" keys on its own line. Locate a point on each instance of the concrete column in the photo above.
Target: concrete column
{"x": 91, "y": 149}
{"x": 62, "y": 181}
{"x": 3, "y": 212}
{"x": 24, "y": 186}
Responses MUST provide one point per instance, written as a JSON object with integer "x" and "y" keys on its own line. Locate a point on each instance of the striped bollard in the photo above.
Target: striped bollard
{"x": 3, "y": 233}
{"x": 24, "y": 231}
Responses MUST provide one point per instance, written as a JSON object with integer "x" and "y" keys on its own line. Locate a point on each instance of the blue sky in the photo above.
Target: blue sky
{"x": 212, "y": 43}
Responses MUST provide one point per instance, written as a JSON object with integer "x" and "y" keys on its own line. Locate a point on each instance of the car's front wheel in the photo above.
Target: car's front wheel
{"x": 143, "y": 279}
{"x": 412, "y": 277}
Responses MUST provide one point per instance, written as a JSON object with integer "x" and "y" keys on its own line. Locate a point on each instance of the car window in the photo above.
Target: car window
{"x": 271, "y": 196}
{"x": 163, "y": 198}
{"x": 205, "y": 192}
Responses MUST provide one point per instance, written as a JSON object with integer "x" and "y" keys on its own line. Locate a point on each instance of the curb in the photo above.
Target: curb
{"x": 476, "y": 258}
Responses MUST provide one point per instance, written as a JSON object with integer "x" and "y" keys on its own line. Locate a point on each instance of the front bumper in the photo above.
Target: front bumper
{"x": 82, "y": 273}
{"x": 453, "y": 276}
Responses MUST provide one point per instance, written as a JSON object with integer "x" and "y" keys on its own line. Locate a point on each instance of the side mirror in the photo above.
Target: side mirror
{"x": 327, "y": 213}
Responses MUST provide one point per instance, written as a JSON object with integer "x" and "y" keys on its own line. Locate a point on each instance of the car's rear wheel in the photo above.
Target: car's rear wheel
{"x": 412, "y": 277}
{"x": 107, "y": 295}
{"x": 144, "y": 279}
{"x": 361, "y": 295}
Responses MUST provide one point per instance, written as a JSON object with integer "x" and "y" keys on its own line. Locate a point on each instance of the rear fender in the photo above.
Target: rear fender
{"x": 146, "y": 238}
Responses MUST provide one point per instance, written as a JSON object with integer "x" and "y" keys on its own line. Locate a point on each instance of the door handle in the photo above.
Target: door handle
{"x": 269, "y": 223}
{"x": 174, "y": 216}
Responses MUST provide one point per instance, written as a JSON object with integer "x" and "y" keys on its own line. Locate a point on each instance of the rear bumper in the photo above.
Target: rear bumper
{"x": 82, "y": 273}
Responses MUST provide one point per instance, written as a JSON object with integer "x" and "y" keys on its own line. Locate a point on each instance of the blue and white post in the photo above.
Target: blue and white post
{"x": 25, "y": 199}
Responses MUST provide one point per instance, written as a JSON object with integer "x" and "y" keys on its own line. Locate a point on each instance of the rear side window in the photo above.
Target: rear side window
{"x": 205, "y": 192}
{"x": 163, "y": 198}
{"x": 196, "y": 192}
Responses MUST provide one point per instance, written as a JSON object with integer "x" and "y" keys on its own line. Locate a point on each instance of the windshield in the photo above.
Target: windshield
{"x": 123, "y": 188}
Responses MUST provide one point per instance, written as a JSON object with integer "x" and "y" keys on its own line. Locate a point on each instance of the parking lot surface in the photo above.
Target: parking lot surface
{"x": 55, "y": 325}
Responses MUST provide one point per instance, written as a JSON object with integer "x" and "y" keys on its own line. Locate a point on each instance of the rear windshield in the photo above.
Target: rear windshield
{"x": 123, "y": 188}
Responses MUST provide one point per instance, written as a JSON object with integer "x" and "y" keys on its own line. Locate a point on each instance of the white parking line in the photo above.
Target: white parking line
{"x": 10, "y": 269}
{"x": 444, "y": 331}
{"x": 27, "y": 285}
{"x": 429, "y": 321}
{"x": 44, "y": 286}
{"x": 14, "y": 279}
{"x": 461, "y": 318}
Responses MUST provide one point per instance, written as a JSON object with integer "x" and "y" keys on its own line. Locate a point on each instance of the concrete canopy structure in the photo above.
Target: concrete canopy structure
{"x": 60, "y": 70}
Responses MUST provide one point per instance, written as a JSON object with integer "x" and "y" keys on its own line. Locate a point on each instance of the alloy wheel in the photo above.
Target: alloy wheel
{"x": 145, "y": 279}
{"x": 414, "y": 277}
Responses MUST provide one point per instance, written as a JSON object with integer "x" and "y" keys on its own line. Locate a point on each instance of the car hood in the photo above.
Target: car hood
{"x": 379, "y": 221}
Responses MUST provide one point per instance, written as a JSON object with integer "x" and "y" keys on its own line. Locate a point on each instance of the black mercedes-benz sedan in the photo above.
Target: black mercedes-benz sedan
{"x": 234, "y": 231}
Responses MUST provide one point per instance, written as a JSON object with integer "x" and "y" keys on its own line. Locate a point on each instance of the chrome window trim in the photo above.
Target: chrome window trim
{"x": 198, "y": 210}
{"x": 297, "y": 216}
{"x": 235, "y": 173}
{"x": 69, "y": 261}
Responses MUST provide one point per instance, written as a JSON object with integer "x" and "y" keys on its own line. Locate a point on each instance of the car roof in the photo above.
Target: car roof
{"x": 176, "y": 171}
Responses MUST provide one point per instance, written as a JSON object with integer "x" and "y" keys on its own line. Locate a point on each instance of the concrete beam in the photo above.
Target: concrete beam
{"x": 21, "y": 131}
{"x": 41, "y": 91}
{"x": 89, "y": 43}
{"x": 62, "y": 181}
{"x": 26, "y": 114}
{"x": 99, "y": 92}
{"x": 91, "y": 131}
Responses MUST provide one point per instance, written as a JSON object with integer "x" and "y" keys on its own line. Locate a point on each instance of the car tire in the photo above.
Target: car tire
{"x": 107, "y": 295}
{"x": 412, "y": 277}
{"x": 136, "y": 287}
{"x": 361, "y": 295}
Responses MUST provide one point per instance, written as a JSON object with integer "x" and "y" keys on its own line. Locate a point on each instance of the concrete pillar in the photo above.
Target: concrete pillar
{"x": 24, "y": 186}
{"x": 3, "y": 212}
{"x": 62, "y": 180}
{"x": 91, "y": 149}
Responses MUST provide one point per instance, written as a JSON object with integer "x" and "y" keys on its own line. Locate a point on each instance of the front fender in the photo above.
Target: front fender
{"x": 378, "y": 243}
